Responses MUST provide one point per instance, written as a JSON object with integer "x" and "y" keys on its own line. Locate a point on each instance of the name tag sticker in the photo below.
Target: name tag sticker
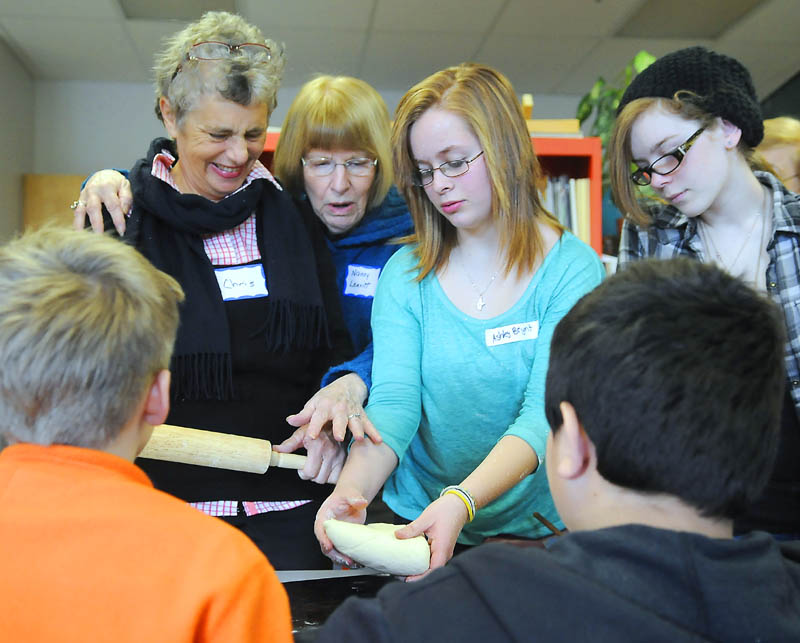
{"x": 361, "y": 281}
{"x": 242, "y": 282}
{"x": 512, "y": 333}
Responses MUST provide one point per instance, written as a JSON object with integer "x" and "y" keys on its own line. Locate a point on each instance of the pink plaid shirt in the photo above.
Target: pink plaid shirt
{"x": 230, "y": 248}
{"x": 251, "y": 508}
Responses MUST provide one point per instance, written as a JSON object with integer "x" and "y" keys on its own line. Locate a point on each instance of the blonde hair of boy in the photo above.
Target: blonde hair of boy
{"x": 86, "y": 322}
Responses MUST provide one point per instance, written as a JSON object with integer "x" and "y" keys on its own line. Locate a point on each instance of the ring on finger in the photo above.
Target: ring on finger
{"x": 354, "y": 415}
{"x": 76, "y": 204}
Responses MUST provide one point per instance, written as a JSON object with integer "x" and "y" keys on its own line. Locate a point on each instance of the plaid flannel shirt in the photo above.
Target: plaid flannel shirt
{"x": 672, "y": 235}
{"x": 232, "y": 247}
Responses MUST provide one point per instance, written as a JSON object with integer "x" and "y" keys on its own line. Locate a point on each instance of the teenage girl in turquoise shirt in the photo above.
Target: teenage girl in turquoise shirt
{"x": 461, "y": 322}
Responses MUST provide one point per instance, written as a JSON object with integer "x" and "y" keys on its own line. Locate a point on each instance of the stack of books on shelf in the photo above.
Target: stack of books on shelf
{"x": 555, "y": 127}
{"x": 568, "y": 199}
{"x": 549, "y": 126}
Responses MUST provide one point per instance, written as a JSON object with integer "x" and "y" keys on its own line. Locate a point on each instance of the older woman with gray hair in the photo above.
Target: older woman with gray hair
{"x": 261, "y": 322}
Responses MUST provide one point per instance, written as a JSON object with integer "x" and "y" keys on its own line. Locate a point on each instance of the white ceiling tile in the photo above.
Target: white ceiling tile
{"x": 91, "y": 9}
{"x": 307, "y": 14}
{"x": 314, "y": 51}
{"x": 776, "y": 20}
{"x": 148, "y": 37}
{"x": 685, "y": 18}
{"x": 609, "y": 58}
{"x": 534, "y": 65}
{"x": 173, "y": 9}
{"x": 549, "y": 45}
{"x": 593, "y": 18}
{"x": 400, "y": 60}
{"x": 70, "y": 49}
{"x": 765, "y": 67}
{"x": 442, "y": 16}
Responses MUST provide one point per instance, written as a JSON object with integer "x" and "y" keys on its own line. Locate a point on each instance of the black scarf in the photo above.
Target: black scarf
{"x": 168, "y": 228}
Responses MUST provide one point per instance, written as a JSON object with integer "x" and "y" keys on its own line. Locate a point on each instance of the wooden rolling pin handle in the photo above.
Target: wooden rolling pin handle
{"x": 287, "y": 460}
{"x": 218, "y": 450}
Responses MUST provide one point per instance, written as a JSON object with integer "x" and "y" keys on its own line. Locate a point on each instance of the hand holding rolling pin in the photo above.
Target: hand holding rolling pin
{"x": 325, "y": 456}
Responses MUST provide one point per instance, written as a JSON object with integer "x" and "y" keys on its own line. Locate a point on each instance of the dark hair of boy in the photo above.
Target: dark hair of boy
{"x": 675, "y": 370}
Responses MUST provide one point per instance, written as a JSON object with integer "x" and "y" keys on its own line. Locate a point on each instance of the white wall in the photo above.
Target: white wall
{"x": 16, "y": 136}
{"x": 84, "y": 126}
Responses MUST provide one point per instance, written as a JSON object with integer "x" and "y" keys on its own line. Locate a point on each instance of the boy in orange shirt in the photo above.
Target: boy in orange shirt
{"x": 92, "y": 551}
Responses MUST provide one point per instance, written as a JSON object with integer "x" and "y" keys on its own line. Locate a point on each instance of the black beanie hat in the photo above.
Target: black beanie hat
{"x": 723, "y": 86}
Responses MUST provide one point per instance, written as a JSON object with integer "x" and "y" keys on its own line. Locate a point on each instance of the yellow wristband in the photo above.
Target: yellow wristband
{"x": 465, "y": 496}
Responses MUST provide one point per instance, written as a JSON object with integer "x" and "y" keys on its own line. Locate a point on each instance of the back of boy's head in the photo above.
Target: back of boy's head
{"x": 85, "y": 324}
{"x": 675, "y": 370}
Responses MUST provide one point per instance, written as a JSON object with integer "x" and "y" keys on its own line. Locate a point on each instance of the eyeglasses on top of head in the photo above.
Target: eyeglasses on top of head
{"x": 451, "y": 169}
{"x": 324, "y": 166}
{"x": 215, "y": 50}
{"x": 667, "y": 163}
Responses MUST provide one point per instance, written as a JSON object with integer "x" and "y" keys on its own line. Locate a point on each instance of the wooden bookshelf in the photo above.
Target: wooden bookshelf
{"x": 576, "y": 157}
{"x": 269, "y": 148}
{"x": 46, "y": 198}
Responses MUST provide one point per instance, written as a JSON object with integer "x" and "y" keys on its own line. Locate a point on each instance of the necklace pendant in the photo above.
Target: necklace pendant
{"x": 480, "y": 304}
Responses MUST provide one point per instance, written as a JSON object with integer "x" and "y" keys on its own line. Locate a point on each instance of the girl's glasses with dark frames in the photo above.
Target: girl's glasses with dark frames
{"x": 665, "y": 164}
{"x": 452, "y": 169}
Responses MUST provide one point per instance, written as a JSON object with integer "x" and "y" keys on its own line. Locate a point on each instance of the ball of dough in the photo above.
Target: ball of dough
{"x": 376, "y": 546}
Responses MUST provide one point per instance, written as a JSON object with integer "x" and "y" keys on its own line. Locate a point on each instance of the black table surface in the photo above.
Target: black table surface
{"x": 313, "y": 601}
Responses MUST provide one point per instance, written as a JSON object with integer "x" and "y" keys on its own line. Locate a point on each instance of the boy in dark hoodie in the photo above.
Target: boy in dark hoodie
{"x": 664, "y": 395}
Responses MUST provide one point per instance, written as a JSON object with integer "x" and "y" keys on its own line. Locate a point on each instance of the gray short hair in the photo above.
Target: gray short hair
{"x": 238, "y": 79}
{"x": 85, "y": 323}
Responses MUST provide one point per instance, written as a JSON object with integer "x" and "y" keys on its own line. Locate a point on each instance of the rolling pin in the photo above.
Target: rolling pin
{"x": 218, "y": 450}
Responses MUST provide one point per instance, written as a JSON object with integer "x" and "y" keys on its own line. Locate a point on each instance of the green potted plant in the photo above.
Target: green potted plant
{"x": 603, "y": 99}
{"x": 601, "y": 102}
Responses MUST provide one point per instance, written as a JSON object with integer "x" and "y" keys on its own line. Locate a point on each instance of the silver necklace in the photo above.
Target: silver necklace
{"x": 759, "y": 280}
{"x": 480, "y": 304}
{"x": 708, "y": 242}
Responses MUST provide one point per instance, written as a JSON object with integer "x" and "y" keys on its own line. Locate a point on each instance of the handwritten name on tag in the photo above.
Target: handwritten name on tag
{"x": 361, "y": 281}
{"x": 242, "y": 282}
{"x": 512, "y": 333}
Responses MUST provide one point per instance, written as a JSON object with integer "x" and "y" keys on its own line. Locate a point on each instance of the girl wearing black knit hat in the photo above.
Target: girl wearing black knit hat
{"x": 686, "y": 127}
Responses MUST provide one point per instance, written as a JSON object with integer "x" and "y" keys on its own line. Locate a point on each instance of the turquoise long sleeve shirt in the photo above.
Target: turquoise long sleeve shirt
{"x": 448, "y": 386}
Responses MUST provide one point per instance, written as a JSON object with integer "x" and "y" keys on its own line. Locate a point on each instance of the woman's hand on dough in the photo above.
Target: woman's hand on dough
{"x": 441, "y": 522}
{"x": 104, "y": 188}
{"x": 340, "y": 505}
{"x": 340, "y": 403}
{"x": 325, "y": 456}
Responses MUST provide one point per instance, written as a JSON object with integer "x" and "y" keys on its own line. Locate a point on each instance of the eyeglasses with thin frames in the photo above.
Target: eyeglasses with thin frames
{"x": 324, "y": 166}
{"x": 665, "y": 164}
{"x": 451, "y": 169}
{"x": 215, "y": 50}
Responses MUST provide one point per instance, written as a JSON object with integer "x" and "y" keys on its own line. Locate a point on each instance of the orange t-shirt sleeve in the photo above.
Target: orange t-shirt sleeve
{"x": 253, "y": 606}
